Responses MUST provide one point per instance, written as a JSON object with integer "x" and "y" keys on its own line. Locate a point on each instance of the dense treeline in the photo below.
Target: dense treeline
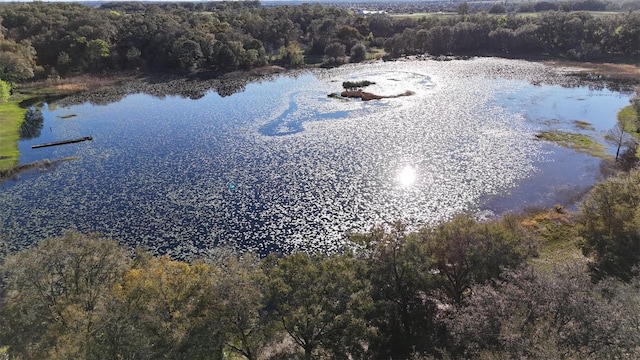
{"x": 464, "y": 289}
{"x": 47, "y": 39}
{"x": 577, "y": 35}
{"x": 419, "y": 7}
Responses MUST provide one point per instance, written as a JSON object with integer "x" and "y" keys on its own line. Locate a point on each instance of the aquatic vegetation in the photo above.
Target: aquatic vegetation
{"x": 584, "y": 125}
{"x": 43, "y": 165}
{"x": 579, "y": 142}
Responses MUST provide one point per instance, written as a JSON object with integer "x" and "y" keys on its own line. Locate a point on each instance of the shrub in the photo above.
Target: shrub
{"x": 358, "y": 53}
{"x": 5, "y": 90}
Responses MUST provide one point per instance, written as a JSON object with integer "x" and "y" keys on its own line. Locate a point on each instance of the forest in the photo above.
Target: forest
{"x": 52, "y": 40}
{"x": 463, "y": 289}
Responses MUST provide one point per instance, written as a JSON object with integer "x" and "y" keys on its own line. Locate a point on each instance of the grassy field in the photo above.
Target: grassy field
{"x": 375, "y": 53}
{"x": 424, "y": 14}
{"x": 420, "y": 15}
{"x": 559, "y": 241}
{"x": 11, "y": 116}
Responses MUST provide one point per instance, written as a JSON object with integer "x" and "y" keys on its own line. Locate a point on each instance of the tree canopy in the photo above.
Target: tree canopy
{"x": 41, "y": 39}
{"x": 462, "y": 289}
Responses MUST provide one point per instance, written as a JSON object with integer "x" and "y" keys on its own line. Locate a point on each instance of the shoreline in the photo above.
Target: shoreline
{"x": 106, "y": 89}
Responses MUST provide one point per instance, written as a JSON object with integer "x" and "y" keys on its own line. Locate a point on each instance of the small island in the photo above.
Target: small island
{"x": 354, "y": 90}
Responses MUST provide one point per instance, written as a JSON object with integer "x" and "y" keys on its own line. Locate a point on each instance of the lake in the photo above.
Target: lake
{"x": 281, "y": 166}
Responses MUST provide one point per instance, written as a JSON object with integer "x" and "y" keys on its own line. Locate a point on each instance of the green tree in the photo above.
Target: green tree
{"x": 497, "y": 8}
{"x": 316, "y": 299}
{"x": 17, "y": 60}
{"x": 381, "y": 25}
{"x": 440, "y": 40}
{"x": 348, "y": 36}
{"x": 189, "y": 55}
{"x": 501, "y": 39}
{"x": 133, "y": 57}
{"x": 402, "y": 283}
{"x": 358, "y": 53}
{"x": 240, "y": 292}
{"x": 226, "y": 58}
{"x": 14, "y": 68}
{"x": 609, "y": 224}
{"x": 53, "y": 293}
{"x": 463, "y": 8}
{"x": 335, "y": 51}
{"x": 64, "y": 62}
{"x": 163, "y": 309}
{"x": 292, "y": 55}
{"x": 466, "y": 252}
{"x": 96, "y": 52}
{"x": 526, "y": 38}
{"x": 619, "y": 138}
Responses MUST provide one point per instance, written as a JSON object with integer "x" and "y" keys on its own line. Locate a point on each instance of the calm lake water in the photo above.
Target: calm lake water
{"x": 281, "y": 166}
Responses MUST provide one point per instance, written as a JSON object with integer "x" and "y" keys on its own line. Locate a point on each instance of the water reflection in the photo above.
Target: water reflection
{"x": 32, "y": 125}
{"x": 407, "y": 176}
{"x": 292, "y": 119}
{"x": 187, "y": 176}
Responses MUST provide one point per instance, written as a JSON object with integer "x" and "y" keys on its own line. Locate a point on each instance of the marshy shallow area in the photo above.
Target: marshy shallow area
{"x": 280, "y": 166}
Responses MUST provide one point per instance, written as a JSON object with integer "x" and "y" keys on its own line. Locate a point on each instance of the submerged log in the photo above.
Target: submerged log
{"x": 63, "y": 142}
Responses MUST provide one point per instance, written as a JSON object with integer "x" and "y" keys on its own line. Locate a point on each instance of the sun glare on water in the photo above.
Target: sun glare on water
{"x": 407, "y": 176}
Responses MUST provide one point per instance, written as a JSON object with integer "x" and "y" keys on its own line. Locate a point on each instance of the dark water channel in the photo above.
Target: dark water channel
{"x": 280, "y": 166}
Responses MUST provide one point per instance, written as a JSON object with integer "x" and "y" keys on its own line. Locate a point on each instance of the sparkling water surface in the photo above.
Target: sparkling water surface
{"x": 283, "y": 167}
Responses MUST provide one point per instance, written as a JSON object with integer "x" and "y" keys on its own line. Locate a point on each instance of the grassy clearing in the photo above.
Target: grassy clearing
{"x": 559, "y": 240}
{"x": 420, "y": 15}
{"x": 440, "y": 14}
{"x": 528, "y": 15}
{"x": 12, "y": 112}
{"x": 11, "y": 117}
{"x": 593, "y": 13}
{"x": 578, "y": 142}
{"x": 375, "y": 54}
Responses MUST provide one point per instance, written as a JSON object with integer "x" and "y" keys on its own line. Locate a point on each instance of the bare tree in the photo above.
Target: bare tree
{"x": 619, "y": 138}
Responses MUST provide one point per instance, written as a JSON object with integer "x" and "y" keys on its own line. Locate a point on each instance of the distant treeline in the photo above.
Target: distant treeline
{"x": 576, "y": 35}
{"x": 53, "y": 39}
{"x": 418, "y": 7}
{"x": 460, "y": 290}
